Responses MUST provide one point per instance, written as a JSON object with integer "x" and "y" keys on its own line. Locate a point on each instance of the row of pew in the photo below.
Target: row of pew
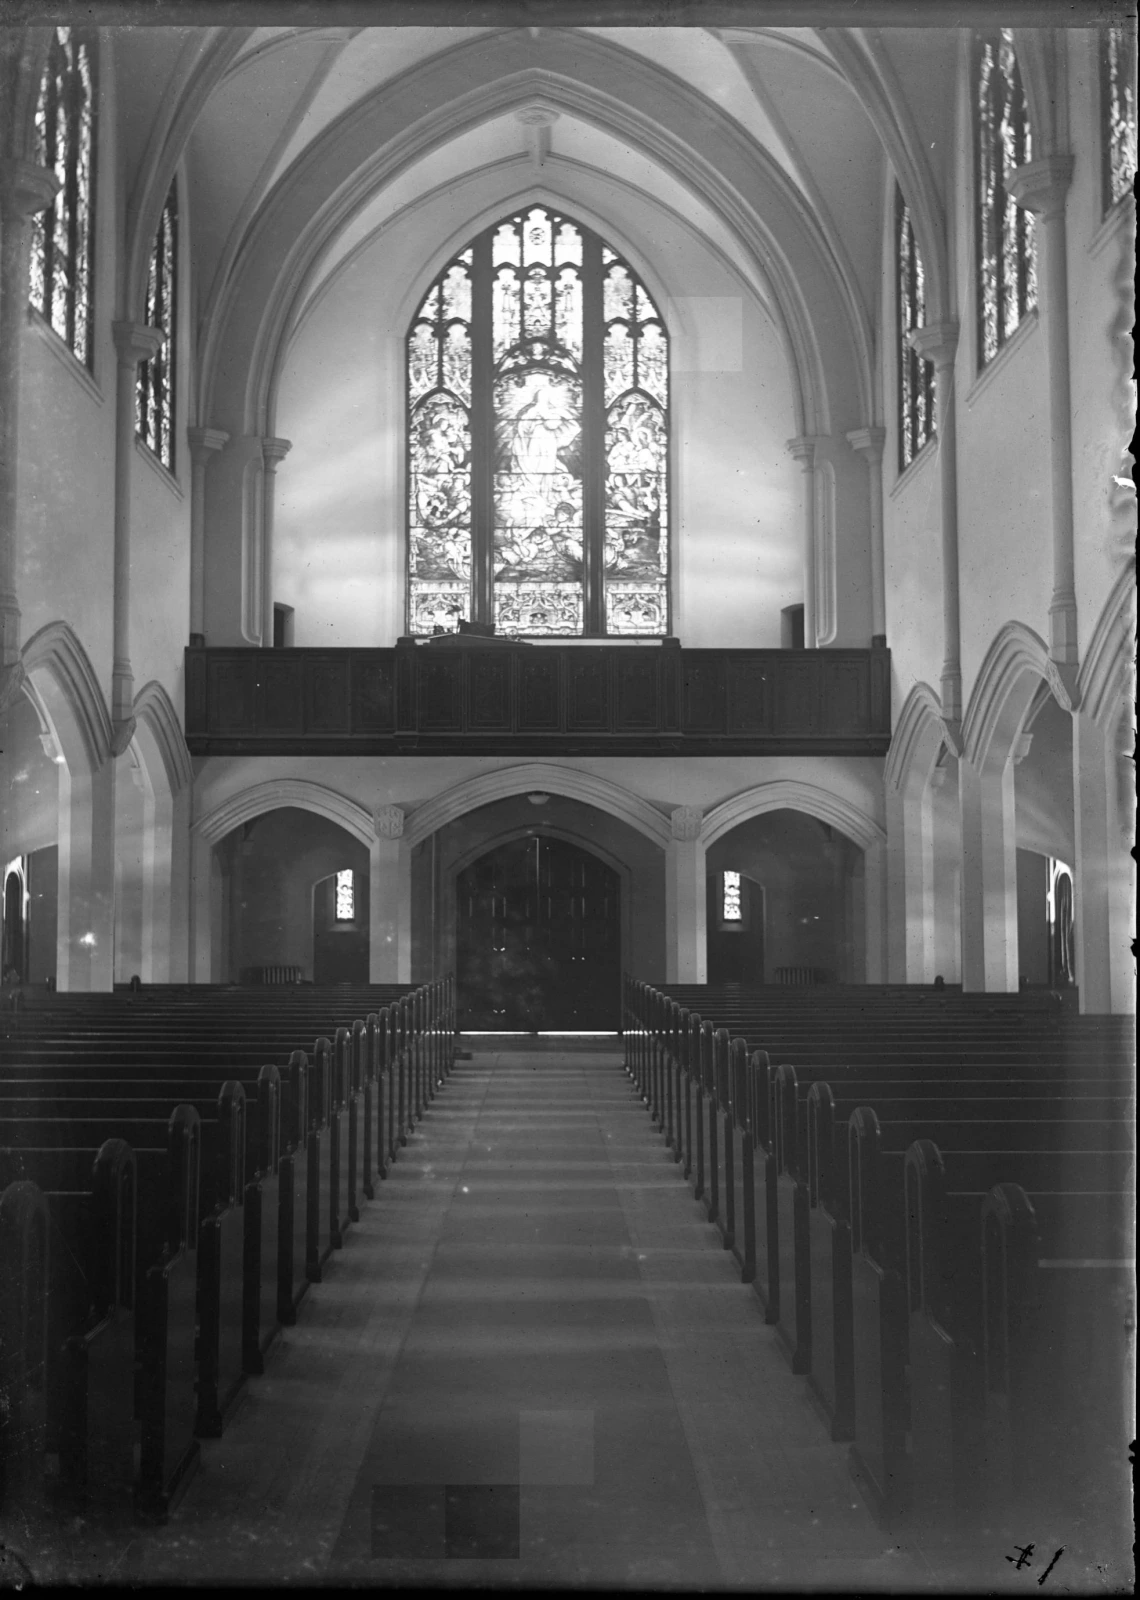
{"x": 934, "y": 1200}
{"x": 175, "y": 1172}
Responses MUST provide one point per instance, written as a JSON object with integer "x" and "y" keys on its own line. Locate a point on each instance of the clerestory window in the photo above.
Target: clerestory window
{"x": 916, "y": 375}
{"x": 61, "y": 278}
{"x": 154, "y": 392}
{"x": 1006, "y": 265}
{"x": 538, "y": 439}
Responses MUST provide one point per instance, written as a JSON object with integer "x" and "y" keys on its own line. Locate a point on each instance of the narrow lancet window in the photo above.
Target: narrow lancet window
{"x": 731, "y": 908}
{"x": 345, "y": 896}
{"x": 155, "y": 389}
{"x": 1118, "y": 114}
{"x": 1006, "y": 266}
{"x": 61, "y": 280}
{"x": 916, "y": 376}
{"x": 538, "y": 381}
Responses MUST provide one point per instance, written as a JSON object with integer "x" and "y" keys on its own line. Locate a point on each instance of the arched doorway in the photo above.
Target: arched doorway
{"x": 13, "y": 960}
{"x": 538, "y": 939}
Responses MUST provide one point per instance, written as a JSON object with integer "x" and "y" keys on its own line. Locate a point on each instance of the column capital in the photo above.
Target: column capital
{"x": 275, "y": 450}
{"x": 388, "y": 822}
{"x": 25, "y": 188}
{"x": 1041, "y": 186}
{"x": 868, "y": 442}
{"x": 937, "y": 342}
{"x": 802, "y": 448}
{"x": 685, "y": 822}
{"x": 204, "y": 442}
{"x": 136, "y": 342}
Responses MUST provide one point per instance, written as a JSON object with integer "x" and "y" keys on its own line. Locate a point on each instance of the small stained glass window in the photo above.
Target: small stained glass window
{"x": 155, "y": 384}
{"x": 1118, "y": 113}
{"x": 731, "y": 905}
{"x": 61, "y": 279}
{"x": 1006, "y": 263}
{"x": 916, "y": 376}
{"x": 345, "y": 896}
{"x": 538, "y": 378}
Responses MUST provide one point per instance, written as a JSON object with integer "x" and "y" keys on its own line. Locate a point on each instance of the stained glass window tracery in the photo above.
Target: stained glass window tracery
{"x": 61, "y": 279}
{"x": 155, "y": 384}
{"x": 1006, "y": 264}
{"x": 345, "y": 896}
{"x": 916, "y": 376}
{"x": 731, "y": 909}
{"x": 538, "y": 439}
{"x": 1118, "y": 113}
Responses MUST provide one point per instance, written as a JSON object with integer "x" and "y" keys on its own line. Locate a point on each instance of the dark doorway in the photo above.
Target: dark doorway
{"x": 340, "y": 942}
{"x": 538, "y": 939}
{"x": 735, "y": 945}
{"x": 13, "y": 955}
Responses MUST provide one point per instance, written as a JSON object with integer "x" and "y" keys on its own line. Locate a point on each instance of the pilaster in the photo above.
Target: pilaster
{"x": 803, "y": 450}
{"x": 868, "y": 442}
{"x": 938, "y": 342}
{"x": 273, "y": 451}
{"x": 686, "y": 946}
{"x": 390, "y": 899}
{"x": 134, "y": 342}
{"x": 204, "y": 446}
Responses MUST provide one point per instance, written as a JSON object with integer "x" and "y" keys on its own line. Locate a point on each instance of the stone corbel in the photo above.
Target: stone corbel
{"x": 685, "y": 822}
{"x": 1062, "y": 677}
{"x": 388, "y": 822}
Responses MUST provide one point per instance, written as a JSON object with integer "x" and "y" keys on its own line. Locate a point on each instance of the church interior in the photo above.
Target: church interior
{"x": 567, "y": 605}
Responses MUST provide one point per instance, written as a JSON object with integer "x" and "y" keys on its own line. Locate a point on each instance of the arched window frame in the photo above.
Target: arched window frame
{"x": 915, "y": 375}
{"x": 62, "y": 268}
{"x": 617, "y": 363}
{"x": 154, "y": 385}
{"x": 1117, "y": 58}
{"x": 1006, "y": 275}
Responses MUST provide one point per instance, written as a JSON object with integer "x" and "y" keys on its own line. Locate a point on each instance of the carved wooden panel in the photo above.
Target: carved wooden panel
{"x": 539, "y": 691}
{"x": 797, "y": 708}
{"x": 749, "y": 702}
{"x": 373, "y": 693}
{"x": 636, "y": 690}
{"x": 845, "y": 695}
{"x": 703, "y": 694}
{"x": 231, "y": 695}
{"x": 489, "y": 691}
{"x": 440, "y": 697}
{"x": 327, "y": 696}
{"x": 281, "y": 694}
{"x": 587, "y": 691}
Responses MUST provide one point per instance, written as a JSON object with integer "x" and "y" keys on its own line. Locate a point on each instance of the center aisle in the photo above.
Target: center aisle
{"x": 531, "y": 1364}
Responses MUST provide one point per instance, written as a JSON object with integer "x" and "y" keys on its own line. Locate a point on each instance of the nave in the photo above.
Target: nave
{"x": 533, "y": 1307}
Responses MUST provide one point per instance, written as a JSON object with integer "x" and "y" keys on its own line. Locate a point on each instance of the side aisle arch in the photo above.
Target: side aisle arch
{"x": 167, "y": 773}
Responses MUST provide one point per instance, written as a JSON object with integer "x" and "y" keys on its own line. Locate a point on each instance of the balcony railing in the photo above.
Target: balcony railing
{"x": 515, "y": 699}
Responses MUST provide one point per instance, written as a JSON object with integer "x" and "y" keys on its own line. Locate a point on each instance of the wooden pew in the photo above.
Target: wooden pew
{"x": 25, "y": 1270}
{"x": 165, "y": 1396}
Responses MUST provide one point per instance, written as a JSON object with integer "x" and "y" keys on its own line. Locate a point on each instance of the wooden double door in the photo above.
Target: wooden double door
{"x": 538, "y": 940}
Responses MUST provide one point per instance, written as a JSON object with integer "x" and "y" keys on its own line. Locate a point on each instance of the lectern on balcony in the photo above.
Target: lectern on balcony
{"x": 458, "y": 695}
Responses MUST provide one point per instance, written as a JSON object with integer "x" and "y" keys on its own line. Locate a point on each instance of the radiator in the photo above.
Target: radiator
{"x": 800, "y": 977}
{"x": 274, "y": 975}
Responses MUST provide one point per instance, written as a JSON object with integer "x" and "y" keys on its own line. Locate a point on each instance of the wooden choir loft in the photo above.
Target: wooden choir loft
{"x": 567, "y": 607}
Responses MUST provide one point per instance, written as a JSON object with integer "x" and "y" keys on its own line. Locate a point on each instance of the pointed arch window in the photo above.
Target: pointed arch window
{"x": 1006, "y": 265}
{"x": 61, "y": 277}
{"x": 916, "y": 375}
{"x": 154, "y": 393}
{"x": 1118, "y": 114}
{"x": 538, "y": 439}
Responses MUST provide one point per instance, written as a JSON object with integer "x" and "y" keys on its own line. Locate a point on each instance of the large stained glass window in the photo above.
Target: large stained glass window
{"x": 916, "y": 376}
{"x": 538, "y": 391}
{"x": 1007, "y": 273}
{"x": 155, "y": 383}
{"x": 63, "y": 237}
{"x": 1118, "y": 113}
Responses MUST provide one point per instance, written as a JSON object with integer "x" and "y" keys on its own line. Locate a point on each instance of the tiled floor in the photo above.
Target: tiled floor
{"x": 532, "y": 1365}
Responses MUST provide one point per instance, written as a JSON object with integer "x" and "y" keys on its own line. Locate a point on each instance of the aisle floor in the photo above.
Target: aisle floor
{"x": 532, "y": 1364}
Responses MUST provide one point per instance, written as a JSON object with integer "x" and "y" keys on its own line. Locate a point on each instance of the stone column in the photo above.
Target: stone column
{"x": 134, "y": 342}
{"x": 272, "y": 451}
{"x": 389, "y": 900}
{"x": 1103, "y": 874}
{"x": 1041, "y": 187}
{"x": 868, "y": 442}
{"x": 25, "y": 188}
{"x": 206, "y": 911}
{"x": 898, "y": 927}
{"x": 803, "y": 450}
{"x": 204, "y": 445}
{"x": 686, "y": 944}
{"x": 85, "y": 931}
{"x": 938, "y": 343}
{"x": 989, "y": 876}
